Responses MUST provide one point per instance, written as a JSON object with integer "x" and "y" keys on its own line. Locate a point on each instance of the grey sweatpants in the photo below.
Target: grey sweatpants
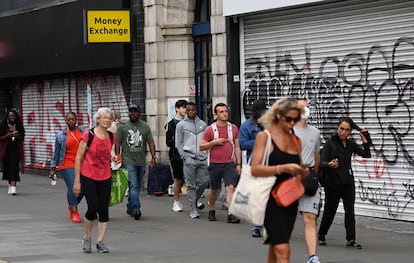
{"x": 196, "y": 178}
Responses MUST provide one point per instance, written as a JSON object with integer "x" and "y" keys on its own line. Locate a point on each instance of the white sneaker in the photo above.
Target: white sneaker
{"x": 313, "y": 259}
{"x": 194, "y": 214}
{"x": 9, "y": 190}
{"x": 177, "y": 206}
{"x": 170, "y": 190}
{"x": 13, "y": 190}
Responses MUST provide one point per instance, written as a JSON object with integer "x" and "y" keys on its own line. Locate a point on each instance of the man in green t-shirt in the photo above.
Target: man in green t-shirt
{"x": 133, "y": 137}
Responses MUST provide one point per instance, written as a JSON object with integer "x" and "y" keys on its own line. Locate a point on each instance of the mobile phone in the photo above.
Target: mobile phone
{"x": 305, "y": 165}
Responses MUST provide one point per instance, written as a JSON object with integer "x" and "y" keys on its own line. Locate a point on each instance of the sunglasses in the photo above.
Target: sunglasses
{"x": 290, "y": 119}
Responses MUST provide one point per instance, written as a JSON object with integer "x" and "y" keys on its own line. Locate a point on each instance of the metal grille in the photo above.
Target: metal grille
{"x": 351, "y": 58}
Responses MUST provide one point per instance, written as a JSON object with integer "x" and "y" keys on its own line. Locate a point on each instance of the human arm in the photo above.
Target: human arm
{"x": 151, "y": 145}
{"x": 237, "y": 153}
{"x": 78, "y": 162}
{"x": 56, "y": 156}
{"x": 179, "y": 140}
{"x": 363, "y": 151}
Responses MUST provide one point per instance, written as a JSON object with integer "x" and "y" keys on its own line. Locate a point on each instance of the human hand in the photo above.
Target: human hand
{"x": 153, "y": 162}
{"x": 334, "y": 163}
{"x": 221, "y": 141}
{"x": 76, "y": 188}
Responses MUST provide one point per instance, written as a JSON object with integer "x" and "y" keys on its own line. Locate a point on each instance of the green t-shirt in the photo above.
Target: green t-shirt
{"x": 134, "y": 138}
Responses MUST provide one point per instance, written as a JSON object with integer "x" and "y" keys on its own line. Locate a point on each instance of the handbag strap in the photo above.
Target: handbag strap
{"x": 265, "y": 160}
{"x": 296, "y": 139}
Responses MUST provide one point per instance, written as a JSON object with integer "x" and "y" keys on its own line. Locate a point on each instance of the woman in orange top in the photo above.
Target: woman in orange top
{"x": 66, "y": 146}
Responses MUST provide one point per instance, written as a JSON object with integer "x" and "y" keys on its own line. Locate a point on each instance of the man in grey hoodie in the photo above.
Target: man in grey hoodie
{"x": 188, "y": 135}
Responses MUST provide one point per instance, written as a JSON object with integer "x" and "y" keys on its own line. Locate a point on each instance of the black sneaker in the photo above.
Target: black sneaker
{"x": 232, "y": 219}
{"x": 256, "y": 233}
{"x": 353, "y": 244}
{"x": 212, "y": 215}
{"x": 129, "y": 212}
{"x": 200, "y": 205}
{"x": 137, "y": 215}
{"x": 322, "y": 241}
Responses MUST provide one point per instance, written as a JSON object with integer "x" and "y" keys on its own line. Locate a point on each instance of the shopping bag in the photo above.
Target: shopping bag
{"x": 252, "y": 193}
{"x": 119, "y": 186}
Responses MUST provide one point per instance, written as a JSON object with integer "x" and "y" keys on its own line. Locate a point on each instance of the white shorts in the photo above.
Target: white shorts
{"x": 310, "y": 204}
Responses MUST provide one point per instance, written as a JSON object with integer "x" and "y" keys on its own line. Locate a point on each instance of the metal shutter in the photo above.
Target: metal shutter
{"x": 345, "y": 57}
{"x": 45, "y": 103}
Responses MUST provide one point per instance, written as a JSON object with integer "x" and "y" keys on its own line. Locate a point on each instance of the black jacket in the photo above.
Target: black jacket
{"x": 343, "y": 175}
{"x": 170, "y": 140}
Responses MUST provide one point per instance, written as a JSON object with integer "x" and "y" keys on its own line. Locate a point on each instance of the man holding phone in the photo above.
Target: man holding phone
{"x": 309, "y": 204}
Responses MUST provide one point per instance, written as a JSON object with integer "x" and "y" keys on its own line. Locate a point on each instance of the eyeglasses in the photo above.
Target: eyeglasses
{"x": 290, "y": 119}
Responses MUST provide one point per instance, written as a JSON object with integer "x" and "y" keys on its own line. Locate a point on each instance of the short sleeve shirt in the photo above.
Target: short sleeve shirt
{"x": 96, "y": 163}
{"x": 221, "y": 153}
{"x": 134, "y": 137}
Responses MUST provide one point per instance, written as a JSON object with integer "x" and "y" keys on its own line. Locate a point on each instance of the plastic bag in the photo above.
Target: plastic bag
{"x": 119, "y": 186}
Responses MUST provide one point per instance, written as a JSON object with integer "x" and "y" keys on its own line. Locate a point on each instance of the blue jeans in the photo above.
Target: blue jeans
{"x": 69, "y": 177}
{"x": 135, "y": 175}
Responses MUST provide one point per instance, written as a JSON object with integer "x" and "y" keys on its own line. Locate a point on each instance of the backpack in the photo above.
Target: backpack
{"x": 91, "y": 135}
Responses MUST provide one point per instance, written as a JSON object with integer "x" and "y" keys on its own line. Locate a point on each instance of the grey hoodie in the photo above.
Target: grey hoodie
{"x": 188, "y": 135}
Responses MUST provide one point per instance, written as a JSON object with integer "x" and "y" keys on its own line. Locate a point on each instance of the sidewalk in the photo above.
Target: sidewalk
{"x": 34, "y": 227}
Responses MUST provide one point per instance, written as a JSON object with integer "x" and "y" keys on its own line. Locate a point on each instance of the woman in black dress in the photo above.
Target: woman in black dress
{"x": 11, "y": 137}
{"x": 284, "y": 162}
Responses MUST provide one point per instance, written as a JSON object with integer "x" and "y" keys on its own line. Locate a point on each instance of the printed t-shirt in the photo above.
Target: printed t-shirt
{"x": 96, "y": 163}
{"x": 134, "y": 137}
{"x": 72, "y": 144}
{"x": 221, "y": 153}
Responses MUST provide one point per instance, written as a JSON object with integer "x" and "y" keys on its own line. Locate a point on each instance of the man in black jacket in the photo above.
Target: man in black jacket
{"x": 175, "y": 159}
{"x": 336, "y": 162}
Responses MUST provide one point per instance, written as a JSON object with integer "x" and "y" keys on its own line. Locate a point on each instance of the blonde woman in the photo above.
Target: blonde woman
{"x": 93, "y": 173}
{"x": 284, "y": 162}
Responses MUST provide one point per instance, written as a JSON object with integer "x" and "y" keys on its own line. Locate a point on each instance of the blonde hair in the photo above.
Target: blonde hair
{"x": 101, "y": 112}
{"x": 116, "y": 115}
{"x": 280, "y": 107}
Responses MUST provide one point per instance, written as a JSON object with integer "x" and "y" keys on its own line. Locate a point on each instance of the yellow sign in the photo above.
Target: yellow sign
{"x": 108, "y": 26}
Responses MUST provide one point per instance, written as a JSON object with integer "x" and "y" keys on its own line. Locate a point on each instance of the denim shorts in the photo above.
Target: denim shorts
{"x": 225, "y": 171}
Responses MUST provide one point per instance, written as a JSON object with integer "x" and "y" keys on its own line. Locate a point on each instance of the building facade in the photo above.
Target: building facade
{"x": 347, "y": 58}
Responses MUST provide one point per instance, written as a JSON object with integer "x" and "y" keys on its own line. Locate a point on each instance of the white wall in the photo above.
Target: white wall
{"x": 236, "y": 7}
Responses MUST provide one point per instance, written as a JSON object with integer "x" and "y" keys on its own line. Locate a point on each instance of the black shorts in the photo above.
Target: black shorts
{"x": 177, "y": 167}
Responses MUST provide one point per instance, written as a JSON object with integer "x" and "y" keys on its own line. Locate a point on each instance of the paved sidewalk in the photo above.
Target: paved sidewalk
{"x": 34, "y": 227}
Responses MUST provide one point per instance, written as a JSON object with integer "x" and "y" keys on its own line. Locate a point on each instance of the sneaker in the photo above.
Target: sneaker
{"x": 137, "y": 215}
{"x": 353, "y": 244}
{"x": 101, "y": 248}
{"x": 313, "y": 259}
{"x": 86, "y": 245}
{"x": 232, "y": 219}
{"x": 13, "y": 190}
{"x": 200, "y": 205}
{"x": 177, "y": 206}
{"x": 9, "y": 190}
{"x": 256, "y": 233}
{"x": 194, "y": 214}
{"x": 322, "y": 241}
{"x": 212, "y": 215}
{"x": 170, "y": 190}
{"x": 75, "y": 217}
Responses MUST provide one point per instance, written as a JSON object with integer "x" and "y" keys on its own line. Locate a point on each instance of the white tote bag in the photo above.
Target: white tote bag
{"x": 252, "y": 193}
